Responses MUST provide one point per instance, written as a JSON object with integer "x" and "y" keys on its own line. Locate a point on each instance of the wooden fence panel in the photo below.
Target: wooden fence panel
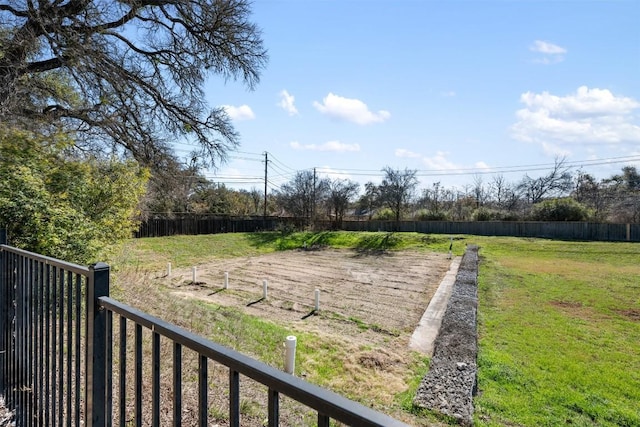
{"x": 158, "y": 227}
{"x": 551, "y": 230}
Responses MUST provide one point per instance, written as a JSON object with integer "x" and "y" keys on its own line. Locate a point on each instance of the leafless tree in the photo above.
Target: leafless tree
{"x": 397, "y": 188}
{"x": 298, "y": 196}
{"x": 126, "y": 74}
{"x": 623, "y": 195}
{"x": 369, "y": 200}
{"x": 479, "y": 191}
{"x": 257, "y": 197}
{"x": 432, "y": 198}
{"x": 554, "y": 184}
{"x": 503, "y": 193}
{"x": 340, "y": 194}
{"x": 170, "y": 188}
{"x": 591, "y": 193}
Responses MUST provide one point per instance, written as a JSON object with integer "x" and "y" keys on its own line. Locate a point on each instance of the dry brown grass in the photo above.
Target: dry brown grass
{"x": 6, "y": 416}
{"x": 371, "y": 364}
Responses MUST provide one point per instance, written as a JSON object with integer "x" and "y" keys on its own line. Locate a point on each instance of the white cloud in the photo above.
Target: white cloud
{"x": 401, "y": 152}
{"x": 547, "y": 48}
{"x": 287, "y": 103}
{"x": 328, "y": 172}
{"x": 482, "y": 165}
{"x": 439, "y": 162}
{"x": 352, "y": 110}
{"x": 593, "y": 116}
{"x": 553, "y": 150}
{"x": 547, "y": 60}
{"x": 449, "y": 94}
{"x": 335, "y": 146}
{"x": 552, "y": 53}
{"x": 584, "y": 102}
{"x": 242, "y": 112}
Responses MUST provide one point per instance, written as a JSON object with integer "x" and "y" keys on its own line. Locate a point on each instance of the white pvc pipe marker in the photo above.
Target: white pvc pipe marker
{"x": 290, "y": 354}
{"x": 264, "y": 289}
{"x": 317, "y": 299}
{"x": 168, "y": 269}
{"x": 226, "y": 280}
{"x": 194, "y": 270}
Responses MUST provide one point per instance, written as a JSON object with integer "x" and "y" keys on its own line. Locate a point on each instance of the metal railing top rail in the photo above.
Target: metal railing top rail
{"x": 324, "y": 401}
{"x": 68, "y": 266}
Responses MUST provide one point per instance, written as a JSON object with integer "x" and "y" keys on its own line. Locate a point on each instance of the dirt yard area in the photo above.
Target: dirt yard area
{"x": 367, "y": 298}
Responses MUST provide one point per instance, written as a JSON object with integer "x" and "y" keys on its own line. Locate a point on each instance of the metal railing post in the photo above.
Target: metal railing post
{"x": 96, "y": 351}
{"x": 4, "y": 314}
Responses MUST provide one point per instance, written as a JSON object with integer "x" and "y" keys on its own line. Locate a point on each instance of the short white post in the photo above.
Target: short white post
{"x": 264, "y": 289}
{"x": 317, "y": 300}
{"x": 226, "y": 280}
{"x": 169, "y": 269}
{"x": 194, "y": 272}
{"x": 290, "y": 354}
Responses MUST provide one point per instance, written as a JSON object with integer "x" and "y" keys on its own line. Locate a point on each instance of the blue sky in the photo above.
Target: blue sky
{"x": 453, "y": 89}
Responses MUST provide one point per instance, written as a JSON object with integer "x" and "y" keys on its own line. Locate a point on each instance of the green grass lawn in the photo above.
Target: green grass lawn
{"x": 154, "y": 253}
{"x": 559, "y": 333}
{"x": 559, "y": 322}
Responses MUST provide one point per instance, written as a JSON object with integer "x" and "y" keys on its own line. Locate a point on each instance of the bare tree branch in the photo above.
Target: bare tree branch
{"x": 129, "y": 73}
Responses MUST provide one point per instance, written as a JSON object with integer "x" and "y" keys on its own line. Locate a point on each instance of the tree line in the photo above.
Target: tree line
{"x": 560, "y": 194}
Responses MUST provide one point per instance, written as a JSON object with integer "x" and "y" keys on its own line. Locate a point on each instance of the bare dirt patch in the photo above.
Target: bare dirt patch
{"x": 367, "y": 298}
{"x": 566, "y": 304}
{"x": 631, "y": 314}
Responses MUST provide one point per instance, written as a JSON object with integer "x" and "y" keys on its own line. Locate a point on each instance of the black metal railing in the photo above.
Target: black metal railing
{"x": 62, "y": 362}
{"x": 42, "y": 337}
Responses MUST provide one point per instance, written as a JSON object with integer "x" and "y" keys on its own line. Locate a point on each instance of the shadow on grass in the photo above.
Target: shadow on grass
{"x": 284, "y": 240}
{"x": 376, "y": 244}
{"x": 365, "y": 243}
{"x": 264, "y": 238}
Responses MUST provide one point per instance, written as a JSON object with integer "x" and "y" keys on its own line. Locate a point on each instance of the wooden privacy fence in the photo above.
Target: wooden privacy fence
{"x": 551, "y": 230}
{"x": 190, "y": 225}
{"x": 63, "y": 363}
{"x": 158, "y": 227}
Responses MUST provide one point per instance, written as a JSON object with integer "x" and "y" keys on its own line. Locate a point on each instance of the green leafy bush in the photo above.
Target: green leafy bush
{"x": 565, "y": 209}
{"x": 385, "y": 214}
{"x": 428, "y": 215}
{"x": 61, "y": 206}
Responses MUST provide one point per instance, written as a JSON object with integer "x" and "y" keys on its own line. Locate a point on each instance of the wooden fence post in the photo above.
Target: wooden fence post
{"x": 96, "y": 351}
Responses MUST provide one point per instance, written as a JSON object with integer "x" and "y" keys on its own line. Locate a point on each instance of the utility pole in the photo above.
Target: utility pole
{"x": 313, "y": 196}
{"x": 266, "y": 162}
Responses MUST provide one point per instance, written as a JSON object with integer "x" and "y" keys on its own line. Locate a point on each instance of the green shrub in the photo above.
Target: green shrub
{"x": 485, "y": 214}
{"x": 565, "y": 209}
{"x": 65, "y": 207}
{"x": 428, "y": 215}
{"x": 385, "y": 214}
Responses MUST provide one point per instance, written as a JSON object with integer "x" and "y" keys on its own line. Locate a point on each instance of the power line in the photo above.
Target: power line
{"x": 244, "y": 158}
{"x": 280, "y": 173}
{"x": 488, "y": 170}
{"x": 280, "y": 163}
